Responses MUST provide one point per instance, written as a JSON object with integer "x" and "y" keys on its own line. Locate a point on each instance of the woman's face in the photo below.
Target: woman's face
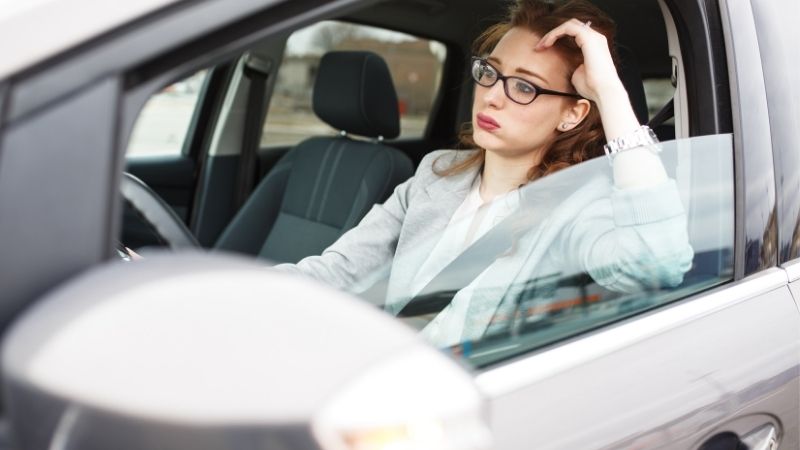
{"x": 518, "y": 131}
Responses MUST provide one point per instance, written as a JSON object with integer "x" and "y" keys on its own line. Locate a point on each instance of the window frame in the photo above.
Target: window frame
{"x": 779, "y": 88}
{"x": 707, "y": 87}
{"x": 754, "y": 163}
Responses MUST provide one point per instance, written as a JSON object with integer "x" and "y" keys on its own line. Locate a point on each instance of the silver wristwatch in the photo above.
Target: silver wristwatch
{"x": 642, "y": 137}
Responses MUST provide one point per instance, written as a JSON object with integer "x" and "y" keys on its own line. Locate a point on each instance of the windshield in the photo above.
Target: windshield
{"x": 560, "y": 256}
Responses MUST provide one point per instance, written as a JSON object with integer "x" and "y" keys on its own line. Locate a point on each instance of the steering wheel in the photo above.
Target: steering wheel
{"x": 157, "y": 213}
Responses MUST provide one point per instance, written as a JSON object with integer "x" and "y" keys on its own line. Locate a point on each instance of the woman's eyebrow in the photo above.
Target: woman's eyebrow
{"x": 533, "y": 74}
{"x": 519, "y": 70}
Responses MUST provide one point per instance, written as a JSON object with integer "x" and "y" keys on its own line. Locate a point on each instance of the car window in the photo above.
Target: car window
{"x": 658, "y": 92}
{"x": 568, "y": 258}
{"x": 414, "y": 63}
{"x": 162, "y": 126}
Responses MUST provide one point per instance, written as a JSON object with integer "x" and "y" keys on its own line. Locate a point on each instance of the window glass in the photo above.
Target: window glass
{"x": 658, "y": 92}
{"x": 415, "y": 65}
{"x": 164, "y": 121}
{"x": 573, "y": 252}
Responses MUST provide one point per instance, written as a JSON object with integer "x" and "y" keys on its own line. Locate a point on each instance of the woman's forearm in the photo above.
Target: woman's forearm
{"x": 616, "y": 111}
{"x": 633, "y": 168}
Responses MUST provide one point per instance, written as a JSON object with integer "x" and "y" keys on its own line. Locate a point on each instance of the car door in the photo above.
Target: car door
{"x": 668, "y": 363}
{"x": 68, "y": 121}
{"x": 719, "y": 369}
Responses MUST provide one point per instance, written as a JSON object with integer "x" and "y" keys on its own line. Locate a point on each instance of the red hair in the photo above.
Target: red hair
{"x": 585, "y": 140}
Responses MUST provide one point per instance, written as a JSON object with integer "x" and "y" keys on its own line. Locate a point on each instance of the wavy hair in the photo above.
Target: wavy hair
{"x": 584, "y": 141}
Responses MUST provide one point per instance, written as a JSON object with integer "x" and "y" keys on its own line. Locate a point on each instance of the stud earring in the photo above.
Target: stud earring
{"x": 563, "y": 126}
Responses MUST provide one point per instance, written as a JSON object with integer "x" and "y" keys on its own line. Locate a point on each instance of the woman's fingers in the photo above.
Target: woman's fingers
{"x": 573, "y": 27}
{"x": 597, "y": 72}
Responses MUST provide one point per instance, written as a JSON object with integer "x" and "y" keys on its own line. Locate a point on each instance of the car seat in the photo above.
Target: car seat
{"x": 630, "y": 74}
{"x": 325, "y": 185}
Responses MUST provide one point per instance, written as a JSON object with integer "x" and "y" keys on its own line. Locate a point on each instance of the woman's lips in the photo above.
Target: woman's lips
{"x": 487, "y": 123}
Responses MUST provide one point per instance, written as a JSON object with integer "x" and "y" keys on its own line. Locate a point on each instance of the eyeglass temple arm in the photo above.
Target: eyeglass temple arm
{"x": 563, "y": 94}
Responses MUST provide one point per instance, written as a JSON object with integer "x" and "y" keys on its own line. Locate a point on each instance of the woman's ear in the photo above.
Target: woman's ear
{"x": 574, "y": 114}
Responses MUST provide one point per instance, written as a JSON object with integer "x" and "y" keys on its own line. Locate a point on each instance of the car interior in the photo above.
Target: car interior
{"x": 235, "y": 190}
{"x": 276, "y": 146}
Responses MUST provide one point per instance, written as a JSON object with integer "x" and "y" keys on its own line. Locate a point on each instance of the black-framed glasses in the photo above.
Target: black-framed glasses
{"x": 518, "y": 90}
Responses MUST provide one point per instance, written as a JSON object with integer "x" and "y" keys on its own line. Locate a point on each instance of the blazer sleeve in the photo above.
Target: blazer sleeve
{"x": 632, "y": 239}
{"x": 360, "y": 255}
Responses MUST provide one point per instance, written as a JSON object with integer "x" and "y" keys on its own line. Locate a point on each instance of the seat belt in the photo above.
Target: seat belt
{"x": 664, "y": 114}
{"x": 441, "y": 290}
{"x": 257, "y": 71}
{"x": 667, "y": 111}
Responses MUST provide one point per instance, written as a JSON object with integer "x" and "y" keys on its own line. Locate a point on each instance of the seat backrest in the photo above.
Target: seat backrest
{"x": 325, "y": 185}
{"x": 631, "y": 76}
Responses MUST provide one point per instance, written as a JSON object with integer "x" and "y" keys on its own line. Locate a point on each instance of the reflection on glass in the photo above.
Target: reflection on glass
{"x": 555, "y": 267}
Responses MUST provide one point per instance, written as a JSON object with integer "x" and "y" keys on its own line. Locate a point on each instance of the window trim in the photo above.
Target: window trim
{"x": 508, "y": 377}
{"x": 756, "y": 233}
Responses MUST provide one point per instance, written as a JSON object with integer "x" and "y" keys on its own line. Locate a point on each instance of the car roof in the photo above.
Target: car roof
{"x": 640, "y": 25}
{"x": 40, "y": 29}
{"x": 70, "y": 23}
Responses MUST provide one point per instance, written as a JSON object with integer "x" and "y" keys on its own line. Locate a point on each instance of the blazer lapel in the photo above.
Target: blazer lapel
{"x": 443, "y": 196}
{"x": 425, "y": 221}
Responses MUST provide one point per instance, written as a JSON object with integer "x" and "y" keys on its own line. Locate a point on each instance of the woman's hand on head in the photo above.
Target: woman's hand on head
{"x": 595, "y": 79}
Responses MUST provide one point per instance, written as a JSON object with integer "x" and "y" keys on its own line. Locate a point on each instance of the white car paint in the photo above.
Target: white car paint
{"x": 40, "y": 29}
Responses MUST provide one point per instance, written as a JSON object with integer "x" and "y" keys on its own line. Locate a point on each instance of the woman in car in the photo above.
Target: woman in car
{"x": 547, "y": 96}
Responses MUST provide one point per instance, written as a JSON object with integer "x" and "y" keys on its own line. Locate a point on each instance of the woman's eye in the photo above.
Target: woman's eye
{"x": 523, "y": 87}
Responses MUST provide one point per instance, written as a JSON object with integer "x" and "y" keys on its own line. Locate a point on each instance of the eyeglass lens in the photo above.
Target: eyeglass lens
{"x": 515, "y": 88}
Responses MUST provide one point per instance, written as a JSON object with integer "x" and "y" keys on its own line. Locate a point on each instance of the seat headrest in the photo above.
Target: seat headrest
{"x": 354, "y": 92}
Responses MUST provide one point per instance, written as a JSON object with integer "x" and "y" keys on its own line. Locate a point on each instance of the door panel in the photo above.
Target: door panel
{"x": 668, "y": 380}
{"x": 55, "y": 192}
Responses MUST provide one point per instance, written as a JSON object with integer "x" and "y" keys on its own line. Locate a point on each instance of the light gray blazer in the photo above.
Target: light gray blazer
{"x": 623, "y": 239}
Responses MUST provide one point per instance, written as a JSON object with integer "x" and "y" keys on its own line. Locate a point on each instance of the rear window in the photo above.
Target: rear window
{"x": 415, "y": 64}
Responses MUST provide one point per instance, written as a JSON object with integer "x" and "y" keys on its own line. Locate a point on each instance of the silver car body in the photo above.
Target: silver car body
{"x": 726, "y": 360}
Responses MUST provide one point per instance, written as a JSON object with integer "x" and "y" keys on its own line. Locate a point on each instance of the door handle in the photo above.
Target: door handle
{"x": 763, "y": 438}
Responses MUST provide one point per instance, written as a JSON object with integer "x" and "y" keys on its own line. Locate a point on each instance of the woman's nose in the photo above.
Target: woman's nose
{"x": 495, "y": 95}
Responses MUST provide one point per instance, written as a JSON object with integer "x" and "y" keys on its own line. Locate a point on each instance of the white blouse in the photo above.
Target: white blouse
{"x": 470, "y": 221}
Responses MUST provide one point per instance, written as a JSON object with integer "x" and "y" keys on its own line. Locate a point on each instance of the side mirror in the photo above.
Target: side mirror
{"x": 208, "y": 351}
